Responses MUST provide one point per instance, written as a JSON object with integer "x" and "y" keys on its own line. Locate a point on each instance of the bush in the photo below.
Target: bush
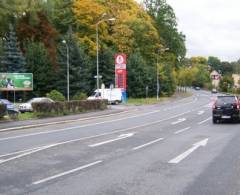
{"x": 3, "y": 110}
{"x": 56, "y": 95}
{"x": 80, "y": 96}
{"x": 62, "y": 108}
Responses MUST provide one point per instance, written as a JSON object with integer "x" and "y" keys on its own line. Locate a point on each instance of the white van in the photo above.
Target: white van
{"x": 114, "y": 96}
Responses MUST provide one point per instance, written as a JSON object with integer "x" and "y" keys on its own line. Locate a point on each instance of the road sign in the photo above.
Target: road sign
{"x": 98, "y": 77}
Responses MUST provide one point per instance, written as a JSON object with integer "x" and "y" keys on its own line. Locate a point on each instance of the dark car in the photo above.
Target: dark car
{"x": 12, "y": 110}
{"x": 226, "y": 108}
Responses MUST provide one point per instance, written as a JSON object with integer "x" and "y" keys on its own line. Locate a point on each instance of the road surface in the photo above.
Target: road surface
{"x": 165, "y": 149}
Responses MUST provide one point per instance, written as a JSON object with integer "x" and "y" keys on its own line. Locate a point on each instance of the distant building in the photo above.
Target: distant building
{"x": 215, "y": 77}
{"x": 236, "y": 79}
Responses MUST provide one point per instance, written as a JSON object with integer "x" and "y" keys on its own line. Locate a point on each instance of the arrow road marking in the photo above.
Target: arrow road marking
{"x": 120, "y": 137}
{"x": 178, "y": 121}
{"x": 189, "y": 151}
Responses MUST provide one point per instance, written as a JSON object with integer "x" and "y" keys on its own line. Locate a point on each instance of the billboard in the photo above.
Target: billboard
{"x": 16, "y": 81}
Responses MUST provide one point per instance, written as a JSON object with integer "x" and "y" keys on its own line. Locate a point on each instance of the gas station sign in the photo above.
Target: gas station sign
{"x": 120, "y": 71}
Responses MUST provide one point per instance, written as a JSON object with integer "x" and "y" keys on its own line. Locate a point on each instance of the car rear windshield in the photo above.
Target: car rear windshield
{"x": 226, "y": 100}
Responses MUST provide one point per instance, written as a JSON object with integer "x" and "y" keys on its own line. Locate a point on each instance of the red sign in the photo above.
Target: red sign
{"x": 120, "y": 71}
{"x": 120, "y": 61}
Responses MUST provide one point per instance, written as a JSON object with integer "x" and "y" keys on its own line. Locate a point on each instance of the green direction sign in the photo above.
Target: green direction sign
{"x": 16, "y": 81}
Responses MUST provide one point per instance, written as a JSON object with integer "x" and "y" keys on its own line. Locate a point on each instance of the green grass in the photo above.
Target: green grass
{"x": 27, "y": 116}
{"x": 148, "y": 101}
{"x": 142, "y": 101}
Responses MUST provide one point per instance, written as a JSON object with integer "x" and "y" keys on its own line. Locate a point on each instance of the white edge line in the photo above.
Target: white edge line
{"x": 205, "y": 120}
{"x": 147, "y": 144}
{"x": 28, "y": 153}
{"x": 61, "y": 122}
{"x": 66, "y": 173}
{"x": 19, "y": 152}
{"x": 76, "y": 127}
{"x": 182, "y": 130}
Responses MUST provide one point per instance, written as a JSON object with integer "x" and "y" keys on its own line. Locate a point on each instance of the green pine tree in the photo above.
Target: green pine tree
{"x": 12, "y": 60}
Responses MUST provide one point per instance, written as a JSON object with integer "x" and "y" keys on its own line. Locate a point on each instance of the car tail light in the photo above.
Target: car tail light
{"x": 238, "y": 105}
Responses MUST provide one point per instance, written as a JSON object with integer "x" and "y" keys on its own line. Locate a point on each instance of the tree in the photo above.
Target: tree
{"x": 80, "y": 67}
{"x": 12, "y": 59}
{"x": 214, "y": 62}
{"x": 40, "y": 31}
{"x": 38, "y": 63}
{"x": 138, "y": 79}
{"x": 166, "y": 22}
{"x": 226, "y": 83}
{"x": 106, "y": 66}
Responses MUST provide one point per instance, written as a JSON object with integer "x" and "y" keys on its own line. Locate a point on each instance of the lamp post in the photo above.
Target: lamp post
{"x": 65, "y": 42}
{"x": 97, "y": 40}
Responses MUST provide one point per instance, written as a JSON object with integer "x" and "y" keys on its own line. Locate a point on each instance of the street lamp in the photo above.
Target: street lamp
{"x": 65, "y": 42}
{"x": 99, "y": 22}
{"x": 158, "y": 84}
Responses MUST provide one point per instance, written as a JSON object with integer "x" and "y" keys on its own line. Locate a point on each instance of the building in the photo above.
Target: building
{"x": 236, "y": 80}
{"x": 215, "y": 77}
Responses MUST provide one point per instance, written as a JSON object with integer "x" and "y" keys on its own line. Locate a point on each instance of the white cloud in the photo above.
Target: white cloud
{"x": 212, "y": 27}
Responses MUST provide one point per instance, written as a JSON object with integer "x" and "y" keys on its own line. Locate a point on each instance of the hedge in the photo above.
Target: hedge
{"x": 3, "y": 110}
{"x": 69, "y": 107}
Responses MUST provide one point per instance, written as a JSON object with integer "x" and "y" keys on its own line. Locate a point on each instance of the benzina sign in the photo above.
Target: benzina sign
{"x": 16, "y": 81}
{"x": 120, "y": 71}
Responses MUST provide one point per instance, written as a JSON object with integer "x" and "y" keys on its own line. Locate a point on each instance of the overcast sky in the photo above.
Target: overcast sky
{"x": 212, "y": 27}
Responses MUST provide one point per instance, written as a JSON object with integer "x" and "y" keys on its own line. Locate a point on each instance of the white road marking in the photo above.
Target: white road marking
{"x": 182, "y": 130}
{"x": 120, "y": 137}
{"x": 19, "y": 152}
{"x": 189, "y": 151}
{"x": 204, "y": 121}
{"x": 201, "y": 112}
{"x": 76, "y": 127}
{"x": 66, "y": 121}
{"x": 147, "y": 144}
{"x": 66, "y": 173}
{"x": 27, "y": 153}
{"x": 180, "y": 120}
{"x": 91, "y": 137}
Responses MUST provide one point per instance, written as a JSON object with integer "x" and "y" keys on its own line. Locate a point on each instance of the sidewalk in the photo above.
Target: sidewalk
{"x": 17, "y": 125}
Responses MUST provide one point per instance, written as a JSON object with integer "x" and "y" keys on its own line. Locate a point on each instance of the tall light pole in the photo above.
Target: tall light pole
{"x": 65, "y": 42}
{"x": 158, "y": 87}
{"x": 97, "y": 40}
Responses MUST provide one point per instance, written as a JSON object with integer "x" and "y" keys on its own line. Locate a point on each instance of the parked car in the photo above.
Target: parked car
{"x": 214, "y": 90}
{"x": 27, "y": 107}
{"x": 114, "y": 96}
{"x": 226, "y": 108}
{"x": 12, "y": 109}
{"x": 197, "y": 88}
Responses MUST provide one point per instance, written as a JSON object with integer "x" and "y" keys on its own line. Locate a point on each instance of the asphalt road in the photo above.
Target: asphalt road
{"x": 165, "y": 149}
